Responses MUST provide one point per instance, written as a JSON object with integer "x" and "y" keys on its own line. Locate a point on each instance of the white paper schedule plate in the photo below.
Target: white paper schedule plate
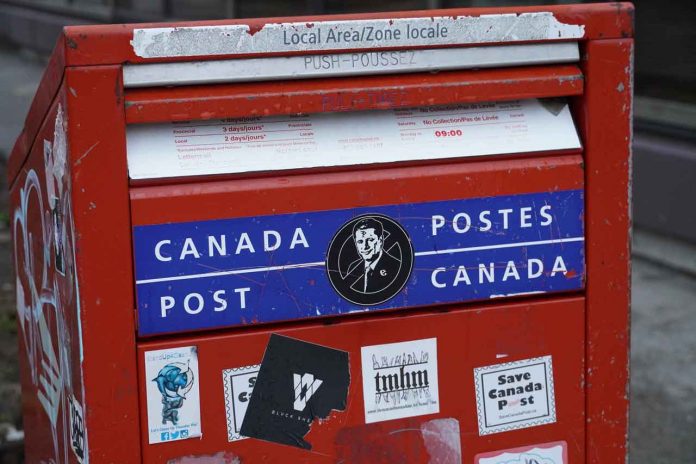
{"x": 254, "y": 144}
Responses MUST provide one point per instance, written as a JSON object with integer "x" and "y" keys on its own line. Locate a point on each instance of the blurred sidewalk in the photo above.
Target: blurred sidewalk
{"x": 663, "y": 351}
{"x": 20, "y": 73}
{"x": 663, "y": 386}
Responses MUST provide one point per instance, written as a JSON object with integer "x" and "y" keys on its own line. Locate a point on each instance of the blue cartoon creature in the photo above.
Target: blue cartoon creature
{"x": 173, "y": 381}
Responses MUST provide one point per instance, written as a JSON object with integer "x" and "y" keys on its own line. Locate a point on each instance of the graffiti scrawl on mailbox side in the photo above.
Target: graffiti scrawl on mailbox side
{"x": 48, "y": 298}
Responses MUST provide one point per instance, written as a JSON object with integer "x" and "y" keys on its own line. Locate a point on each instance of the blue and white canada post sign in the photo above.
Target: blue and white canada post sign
{"x": 228, "y": 272}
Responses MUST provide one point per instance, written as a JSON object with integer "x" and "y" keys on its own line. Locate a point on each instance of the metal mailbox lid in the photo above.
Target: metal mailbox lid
{"x": 444, "y": 417}
{"x": 350, "y": 94}
{"x": 141, "y": 43}
{"x": 249, "y": 251}
{"x": 285, "y": 68}
{"x": 84, "y": 46}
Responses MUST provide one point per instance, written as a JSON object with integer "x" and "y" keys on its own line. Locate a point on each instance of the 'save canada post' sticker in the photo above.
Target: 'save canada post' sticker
{"x": 238, "y": 383}
{"x": 247, "y": 270}
{"x": 515, "y": 395}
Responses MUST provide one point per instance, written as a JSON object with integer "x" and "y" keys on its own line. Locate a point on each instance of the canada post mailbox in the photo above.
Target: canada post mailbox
{"x": 394, "y": 237}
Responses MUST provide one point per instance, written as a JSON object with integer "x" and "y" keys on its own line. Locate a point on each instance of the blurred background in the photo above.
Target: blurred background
{"x": 663, "y": 378}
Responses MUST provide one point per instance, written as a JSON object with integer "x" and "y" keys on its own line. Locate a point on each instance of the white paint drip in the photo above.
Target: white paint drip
{"x": 342, "y": 35}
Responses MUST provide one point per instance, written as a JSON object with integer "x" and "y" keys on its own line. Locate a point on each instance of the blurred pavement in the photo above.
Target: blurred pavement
{"x": 663, "y": 382}
{"x": 663, "y": 351}
{"x": 20, "y": 74}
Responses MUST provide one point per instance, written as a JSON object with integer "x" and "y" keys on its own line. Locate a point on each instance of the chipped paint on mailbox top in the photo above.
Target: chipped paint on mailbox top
{"x": 342, "y": 35}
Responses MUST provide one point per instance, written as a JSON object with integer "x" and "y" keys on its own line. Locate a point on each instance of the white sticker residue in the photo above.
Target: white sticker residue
{"x": 341, "y": 35}
{"x": 400, "y": 380}
{"x": 547, "y": 453}
{"x": 173, "y": 399}
{"x": 238, "y": 383}
{"x": 258, "y": 143}
{"x": 515, "y": 395}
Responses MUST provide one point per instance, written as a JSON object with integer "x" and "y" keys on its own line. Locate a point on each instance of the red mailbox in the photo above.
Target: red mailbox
{"x": 394, "y": 237}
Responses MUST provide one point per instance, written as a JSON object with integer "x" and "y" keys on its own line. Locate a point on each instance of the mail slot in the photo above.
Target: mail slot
{"x": 394, "y": 237}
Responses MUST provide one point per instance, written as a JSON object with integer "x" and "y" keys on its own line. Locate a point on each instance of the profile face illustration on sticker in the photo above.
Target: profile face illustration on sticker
{"x": 369, "y": 259}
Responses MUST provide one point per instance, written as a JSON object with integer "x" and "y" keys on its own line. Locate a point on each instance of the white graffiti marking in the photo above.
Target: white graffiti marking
{"x": 43, "y": 243}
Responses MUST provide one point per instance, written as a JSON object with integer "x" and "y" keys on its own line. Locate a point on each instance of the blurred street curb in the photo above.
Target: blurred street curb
{"x": 658, "y": 249}
{"x": 20, "y": 73}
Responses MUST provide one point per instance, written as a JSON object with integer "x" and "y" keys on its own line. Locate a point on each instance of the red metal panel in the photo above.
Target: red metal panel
{"x": 89, "y": 45}
{"x": 316, "y": 192}
{"x": 607, "y": 135}
{"x": 350, "y": 94}
{"x": 96, "y": 130}
{"x": 466, "y": 339}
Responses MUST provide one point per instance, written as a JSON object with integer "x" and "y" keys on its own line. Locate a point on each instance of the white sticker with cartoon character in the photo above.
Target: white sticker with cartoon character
{"x": 173, "y": 398}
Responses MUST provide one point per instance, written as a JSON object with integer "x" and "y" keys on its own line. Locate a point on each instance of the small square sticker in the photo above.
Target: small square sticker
{"x": 238, "y": 383}
{"x": 515, "y": 395}
{"x": 400, "y": 380}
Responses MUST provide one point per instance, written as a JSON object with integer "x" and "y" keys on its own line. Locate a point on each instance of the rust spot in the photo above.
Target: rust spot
{"x": 118, "y": 90}
{"x": 71, "y": 43}
{"x": 309, "y": 25}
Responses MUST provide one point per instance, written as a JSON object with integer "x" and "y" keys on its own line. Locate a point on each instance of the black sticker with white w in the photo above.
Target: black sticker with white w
{"x": 297, "y": 383}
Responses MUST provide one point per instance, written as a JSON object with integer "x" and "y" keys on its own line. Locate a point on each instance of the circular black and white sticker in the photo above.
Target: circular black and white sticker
{"x": 369, "y": 259}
